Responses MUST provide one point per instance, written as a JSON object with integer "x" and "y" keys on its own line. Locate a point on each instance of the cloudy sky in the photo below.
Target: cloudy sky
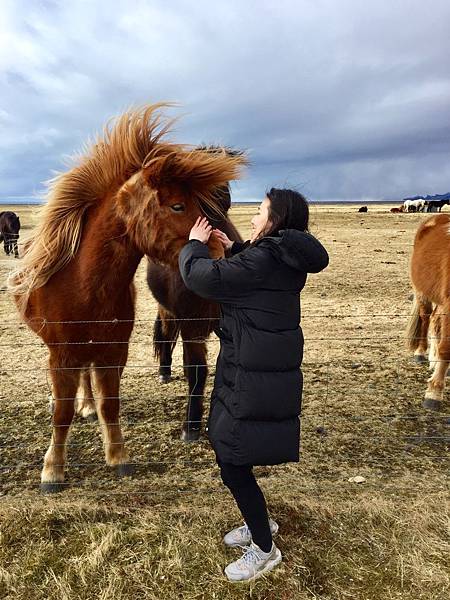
{"x": 344, "y": 99}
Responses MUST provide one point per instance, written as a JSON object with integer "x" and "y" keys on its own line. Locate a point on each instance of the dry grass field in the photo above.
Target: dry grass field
{"x": 158, "y": 534}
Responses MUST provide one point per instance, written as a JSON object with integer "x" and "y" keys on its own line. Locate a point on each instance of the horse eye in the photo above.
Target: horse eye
{"x": 177, "y": 207}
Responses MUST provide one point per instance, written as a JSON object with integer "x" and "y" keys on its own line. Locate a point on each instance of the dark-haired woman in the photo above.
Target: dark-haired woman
{"x": 255, "y": 403}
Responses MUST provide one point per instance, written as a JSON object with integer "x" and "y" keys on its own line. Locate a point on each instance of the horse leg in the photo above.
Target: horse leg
{"x": 85, "y": 405}
{"x": 195, "y": 360}
{"x": 16, "y": 249}
{"x": 65, "y": 383}
{"x": 417, "y": 330}
{"x": 186, "y": 362}
{"x": 425, "y": 308}
{"x": 436, "y": 383}
{"x": 165, "y": 333}
{"x": 434, "y": 335}
{"x": 108, "y": 411}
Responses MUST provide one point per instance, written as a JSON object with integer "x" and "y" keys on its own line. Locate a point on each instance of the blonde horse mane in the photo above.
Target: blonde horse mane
{"x": 127, "y": 144}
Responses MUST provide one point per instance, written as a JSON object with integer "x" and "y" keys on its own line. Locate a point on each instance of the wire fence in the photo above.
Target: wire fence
{"x": 19, "y": 384}
{"x": 411, "y": 447}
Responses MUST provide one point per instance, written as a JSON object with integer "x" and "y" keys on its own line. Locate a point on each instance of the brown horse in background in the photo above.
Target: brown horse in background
{"x": 430, "y": 276}
{"x": 132, "y": 193}
{"x": 180, "y": 311}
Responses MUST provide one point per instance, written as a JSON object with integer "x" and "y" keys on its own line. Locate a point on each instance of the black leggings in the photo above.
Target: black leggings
{"x": 251, "y": 502}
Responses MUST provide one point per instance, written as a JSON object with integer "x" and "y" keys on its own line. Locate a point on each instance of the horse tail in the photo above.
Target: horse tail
{"x": 165, "y": 331}
{"x": 414, "y": 329}
{"x": 414, "y": 326}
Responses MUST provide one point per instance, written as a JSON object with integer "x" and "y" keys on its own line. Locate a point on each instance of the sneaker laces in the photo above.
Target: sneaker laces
{"x": 250, "y": 555}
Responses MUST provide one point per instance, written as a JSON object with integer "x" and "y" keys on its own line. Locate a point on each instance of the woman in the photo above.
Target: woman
{"x": 255, "y": 403}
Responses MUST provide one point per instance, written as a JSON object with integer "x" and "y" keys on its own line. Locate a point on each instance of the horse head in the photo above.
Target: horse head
{"x": 160, "y": 203}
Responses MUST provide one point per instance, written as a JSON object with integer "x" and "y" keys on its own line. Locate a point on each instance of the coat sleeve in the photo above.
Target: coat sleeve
{"x": 238, "y": 247}
{"x": 224, "y": 279}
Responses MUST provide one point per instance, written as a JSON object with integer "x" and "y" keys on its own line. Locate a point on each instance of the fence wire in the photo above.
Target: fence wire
{"x": 321, "y": 423}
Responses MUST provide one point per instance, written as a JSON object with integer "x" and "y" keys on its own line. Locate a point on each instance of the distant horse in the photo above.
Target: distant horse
{"x": 362, "y": 209}
{"x": 396, "y": 209}
{"x": 132, "y": 193}
{"x": 414, "y": 205}
{"x": 430, "y": 276}
{"x": 181, "y": 311}
{"x": 436, "y": 205}
{"x": 9, "y": 231}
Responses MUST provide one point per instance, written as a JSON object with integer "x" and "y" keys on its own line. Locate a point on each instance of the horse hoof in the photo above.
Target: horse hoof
{"x": 92, "y": 417}
{"x": 432, "y": 404}
{"x": 53, "y": 487}
{"x": 192, "y": 435}
{"x": 125, "y": 470}
{"x": 419, "y": 359}
{"x": 165, "y": 378}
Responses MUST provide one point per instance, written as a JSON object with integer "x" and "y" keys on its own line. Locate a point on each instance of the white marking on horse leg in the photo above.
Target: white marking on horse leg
{"x": 54, "y": 460}
{"x": 433, "y": 342}
{"x": 436, "y": 383}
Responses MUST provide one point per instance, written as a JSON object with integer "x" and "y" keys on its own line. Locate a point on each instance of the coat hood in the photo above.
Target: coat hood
{"x": 298, "y": 249}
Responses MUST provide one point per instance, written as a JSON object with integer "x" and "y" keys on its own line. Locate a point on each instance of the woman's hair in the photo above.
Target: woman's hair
{"x": 288, "y": 210}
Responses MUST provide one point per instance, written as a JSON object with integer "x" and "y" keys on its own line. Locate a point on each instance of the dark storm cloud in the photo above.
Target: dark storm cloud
{"x": 343, "y": 99}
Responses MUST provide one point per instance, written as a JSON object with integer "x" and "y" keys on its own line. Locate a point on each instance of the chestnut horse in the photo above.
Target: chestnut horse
{"x": 131, "y": 194}
{"x": 180, "y": 311}
{"x": 430, "y": 276}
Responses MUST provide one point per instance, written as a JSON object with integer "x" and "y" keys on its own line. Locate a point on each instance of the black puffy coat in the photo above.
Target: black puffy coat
{"x": 255, "y": 403}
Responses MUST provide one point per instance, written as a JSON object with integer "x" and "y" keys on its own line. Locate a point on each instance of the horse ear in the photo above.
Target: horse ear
{"x": 157, "y": 171}
{"x": 130, "y": 195}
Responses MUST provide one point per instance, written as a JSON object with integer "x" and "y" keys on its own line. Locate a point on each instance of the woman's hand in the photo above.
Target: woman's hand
{"x": 201, "y": 230}
{"x": 223, "y": 239}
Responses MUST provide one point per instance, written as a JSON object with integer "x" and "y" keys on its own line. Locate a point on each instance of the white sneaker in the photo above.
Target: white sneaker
{"x": 253, "y": 563}
{"x": 241, "y": 536}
